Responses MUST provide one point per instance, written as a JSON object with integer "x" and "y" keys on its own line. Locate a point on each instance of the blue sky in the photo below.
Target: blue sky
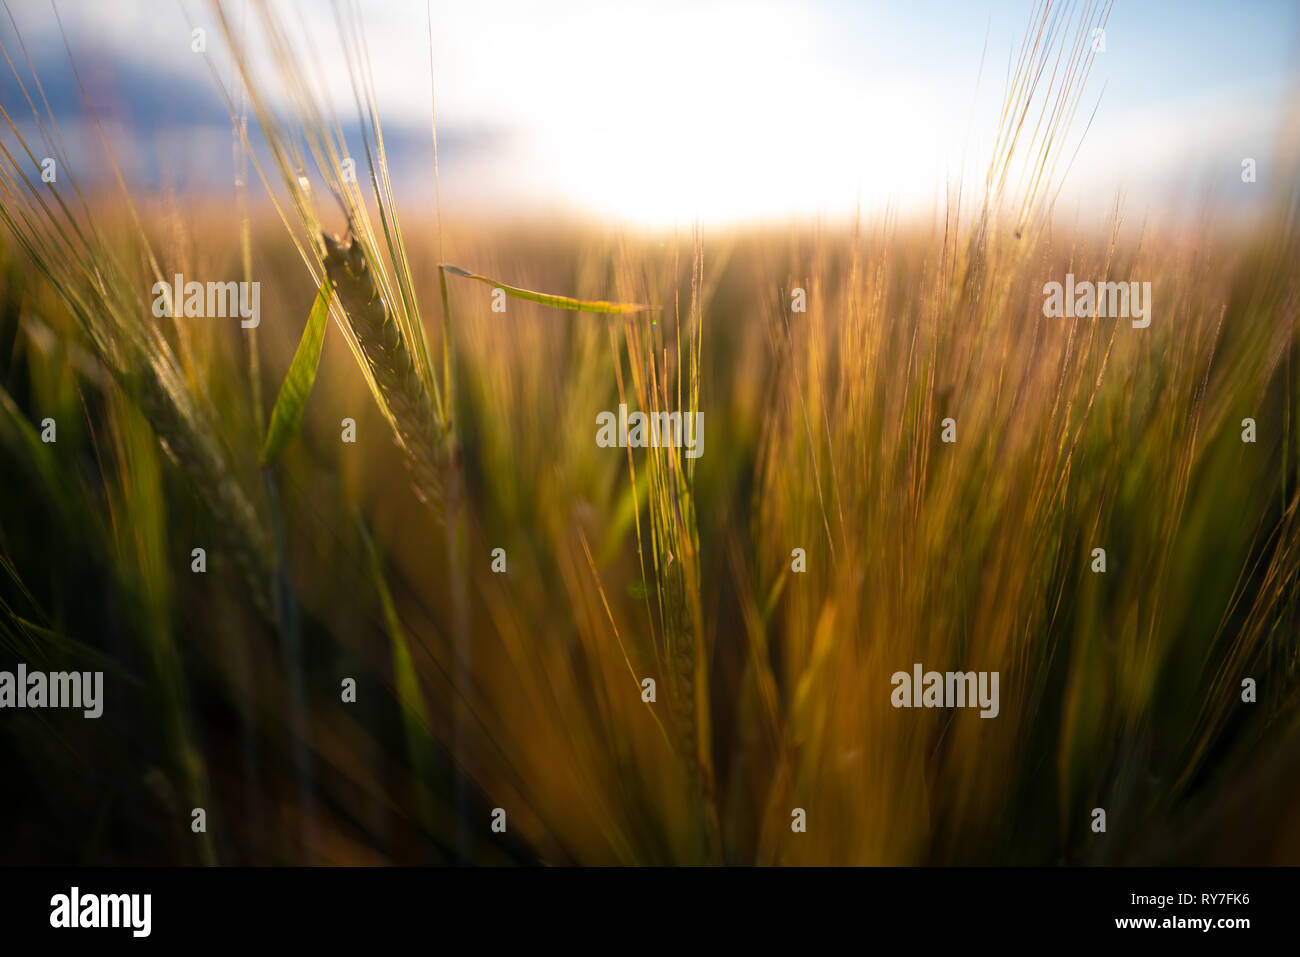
{"x": 656, "y": 111}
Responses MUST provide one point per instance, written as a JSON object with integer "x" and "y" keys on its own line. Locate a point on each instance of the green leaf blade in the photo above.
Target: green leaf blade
{"x": 555, "y": 302}
{"x": 286, "y": 417}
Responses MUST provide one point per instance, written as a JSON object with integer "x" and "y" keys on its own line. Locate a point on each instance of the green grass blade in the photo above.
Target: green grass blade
{"x": 555, "y": 302}
{"x": 286, "y": 417}
{"x": 410, "y": 695}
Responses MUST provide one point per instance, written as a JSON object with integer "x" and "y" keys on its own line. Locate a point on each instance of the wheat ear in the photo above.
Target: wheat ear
{"x": 403, "y": 395}
{"x": 184, "y": 440}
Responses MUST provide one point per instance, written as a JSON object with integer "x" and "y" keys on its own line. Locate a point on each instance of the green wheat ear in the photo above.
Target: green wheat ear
{"x": 397, "y": 385}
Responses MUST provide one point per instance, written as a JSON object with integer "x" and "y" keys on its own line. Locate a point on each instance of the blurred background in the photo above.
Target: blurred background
{"x": 660, "y": 113}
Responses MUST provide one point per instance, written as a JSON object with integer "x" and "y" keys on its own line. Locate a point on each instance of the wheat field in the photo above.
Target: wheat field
{"x": 903, "y": 462}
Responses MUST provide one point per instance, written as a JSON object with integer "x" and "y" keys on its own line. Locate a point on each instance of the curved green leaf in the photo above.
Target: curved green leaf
{"x": 546, "y": 299}
{"x": 286, "y": 417}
